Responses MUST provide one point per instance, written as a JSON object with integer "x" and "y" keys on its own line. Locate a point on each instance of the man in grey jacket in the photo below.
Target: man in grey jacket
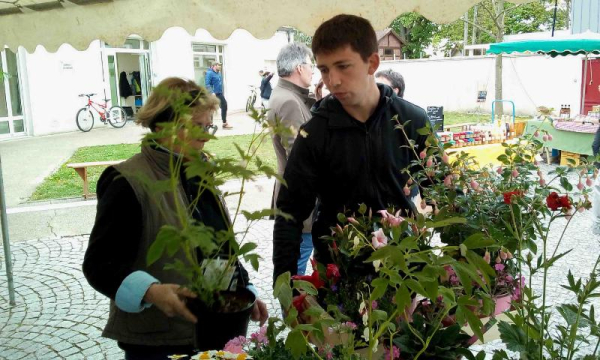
{"x": 290, "y": 105}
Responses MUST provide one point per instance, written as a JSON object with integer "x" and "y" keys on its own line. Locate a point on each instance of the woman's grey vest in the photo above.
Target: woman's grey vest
{"x": 151, "y": 326}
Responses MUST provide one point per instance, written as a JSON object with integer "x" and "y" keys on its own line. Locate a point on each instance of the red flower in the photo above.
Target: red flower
{"x": 333, "y": 272}
{"x": 298, "y": 302}
{"x": 508, "y": 195}
{"x": 554, "y": 201}
{"x": 313, "y": 278}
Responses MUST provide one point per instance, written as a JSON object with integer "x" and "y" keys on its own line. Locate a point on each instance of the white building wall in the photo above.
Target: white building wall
{"x": 244, "y": 56}
{"x": 529, "y": 81}
{"x": 55, "y": 80}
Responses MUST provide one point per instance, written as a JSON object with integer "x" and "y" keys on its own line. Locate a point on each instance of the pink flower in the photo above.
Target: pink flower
{"x": 448, "y": 181}
{"x": 515, "y": 173}
{"x": 550, "y": 137}
{"x": 393, "y": 355}
{"x": 487, "y": 257}
{"x": 499, "y": 267}
{"x": 499, "y": 170}
{"x": 474, "y": 184}
{"x": 374, "y": 305}
{"x": 580, "y": 186}
{"x": 236, "y": 345}
{"x": 545, "y": 137}
{"x": 423, "y": 154}
{"x": 353, "y": 221}
{"x": 379, "y": 239}
{"x": 260, "y": 337}
{"x": 503, "y": 255}
{"x": 542, "y": 181}
{"x": 406, "y": 191}
{"x": 589, "y": 181}
{"x": 536, "y": 133}
{"x": 445, "y": 158}
{"x": 429, "y": 162}
{"x": 391, "y": 220}
{"x": 350, "y": 325}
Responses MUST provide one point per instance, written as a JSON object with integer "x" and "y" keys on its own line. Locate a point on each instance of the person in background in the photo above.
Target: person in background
{"x": 290, "y": 104}
{"x": 214, "y": 83}
{"x": 148, "y": 314}
{"x": 392, "y": 79}
{"x": 265, "y": 88}
{"x": 350, "y": 152}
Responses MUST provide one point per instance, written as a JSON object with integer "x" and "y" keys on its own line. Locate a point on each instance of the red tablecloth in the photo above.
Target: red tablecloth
{"x": 576, "y": 127}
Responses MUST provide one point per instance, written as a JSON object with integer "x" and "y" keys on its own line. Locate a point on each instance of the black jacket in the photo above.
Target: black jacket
{"x": 344, "y": 163}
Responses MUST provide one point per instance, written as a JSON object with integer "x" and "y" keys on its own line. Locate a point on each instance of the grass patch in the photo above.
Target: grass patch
{"x": 66, "y": 183}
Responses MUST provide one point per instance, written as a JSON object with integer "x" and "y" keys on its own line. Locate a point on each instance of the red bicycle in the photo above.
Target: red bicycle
{"x": 115, "y": 116}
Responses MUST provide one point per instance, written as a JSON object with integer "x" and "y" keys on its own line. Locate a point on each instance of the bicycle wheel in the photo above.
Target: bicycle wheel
{"x": 248, "y": 103}
{"x": 84, "y": 119}
{"x": 117, "y": 117}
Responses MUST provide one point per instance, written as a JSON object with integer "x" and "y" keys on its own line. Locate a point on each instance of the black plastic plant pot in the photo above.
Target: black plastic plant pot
{"x": 219, "y": 324}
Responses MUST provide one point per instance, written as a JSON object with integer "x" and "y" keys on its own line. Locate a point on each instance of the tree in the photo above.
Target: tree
{"x": 497, "y": 18}
{"x": 416, "y": 30}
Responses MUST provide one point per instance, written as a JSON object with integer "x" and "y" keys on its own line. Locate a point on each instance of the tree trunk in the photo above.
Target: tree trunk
{"x": 568, "y": 20}
{"x": 499, "y": 38}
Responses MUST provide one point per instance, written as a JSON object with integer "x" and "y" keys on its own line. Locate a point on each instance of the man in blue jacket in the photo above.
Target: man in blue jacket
{"x": 214, "y": 83}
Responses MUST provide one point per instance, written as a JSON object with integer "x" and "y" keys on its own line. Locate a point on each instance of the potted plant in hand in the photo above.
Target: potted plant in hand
{"x": 199, "y": 243}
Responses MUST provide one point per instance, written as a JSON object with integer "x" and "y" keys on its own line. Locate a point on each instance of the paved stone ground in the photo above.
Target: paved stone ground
{"x": 59, "y": 316}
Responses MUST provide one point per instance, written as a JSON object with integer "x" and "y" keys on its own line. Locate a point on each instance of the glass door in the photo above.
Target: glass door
{"x": 204, "y": 55}
{"x": 11, "y": 110}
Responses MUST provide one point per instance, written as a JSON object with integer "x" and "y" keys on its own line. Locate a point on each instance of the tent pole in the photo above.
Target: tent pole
{"x": 6, "y": 242}
{"x": 584, "y": 84}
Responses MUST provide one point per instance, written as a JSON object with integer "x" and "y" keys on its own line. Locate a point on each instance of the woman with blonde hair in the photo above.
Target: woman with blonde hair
{"x": 148, "y": 314}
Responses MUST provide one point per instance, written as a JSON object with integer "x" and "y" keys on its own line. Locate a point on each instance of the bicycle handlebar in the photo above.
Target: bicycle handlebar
{"x": 88, "y": 95}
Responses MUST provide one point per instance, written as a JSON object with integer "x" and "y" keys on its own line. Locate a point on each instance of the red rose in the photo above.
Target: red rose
{"x": 298, "y": 302}
{"x": 554, "y": 201}
{"x": 333, "y": 272}
{"x": 508, "y": 195}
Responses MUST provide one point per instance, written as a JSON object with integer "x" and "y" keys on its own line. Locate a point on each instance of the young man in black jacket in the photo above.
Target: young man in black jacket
{"x": 349, "y": 152}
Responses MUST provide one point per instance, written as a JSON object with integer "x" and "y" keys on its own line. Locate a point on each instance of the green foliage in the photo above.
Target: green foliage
{"x": 416, "y": 30}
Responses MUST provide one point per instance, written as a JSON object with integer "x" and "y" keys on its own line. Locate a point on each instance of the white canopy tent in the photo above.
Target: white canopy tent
{"x": 51, "y": 23}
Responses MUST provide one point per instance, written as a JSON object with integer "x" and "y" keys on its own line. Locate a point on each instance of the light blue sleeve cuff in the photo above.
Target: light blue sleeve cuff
{"x": 253, "y": 289}
{"x": 130, "y": 295}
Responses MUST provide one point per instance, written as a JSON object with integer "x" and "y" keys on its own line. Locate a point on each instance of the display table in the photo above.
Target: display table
{"x": 571, "y": 141}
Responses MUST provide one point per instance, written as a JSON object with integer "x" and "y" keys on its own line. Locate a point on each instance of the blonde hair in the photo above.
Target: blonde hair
{"x": 173, "y": 93}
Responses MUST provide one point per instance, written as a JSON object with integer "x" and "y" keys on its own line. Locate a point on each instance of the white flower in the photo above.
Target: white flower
{"x": 356, "y": 242}
{"x": 377, "y": 265}
{"x": 375, "y": 345}
{"x": 365, "y": 334}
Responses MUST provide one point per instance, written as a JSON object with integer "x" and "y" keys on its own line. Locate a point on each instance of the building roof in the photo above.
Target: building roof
{"x": 382, "y": 33}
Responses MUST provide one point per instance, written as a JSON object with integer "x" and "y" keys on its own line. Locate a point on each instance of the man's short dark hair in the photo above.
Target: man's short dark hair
{"x": 394, "y": 78}
{"x": 343, "y": 30}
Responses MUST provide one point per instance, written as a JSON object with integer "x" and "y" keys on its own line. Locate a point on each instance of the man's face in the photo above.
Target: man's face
{"x": 385, "y": 81}
{"x": 217, "y": 68}
{"x": 306, "y": 72}
{"x": 347, "y": 75}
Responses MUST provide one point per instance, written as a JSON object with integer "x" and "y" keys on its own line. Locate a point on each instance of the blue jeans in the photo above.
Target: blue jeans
{"x": 306, "y": 248}
{"x": 223, "y": 107}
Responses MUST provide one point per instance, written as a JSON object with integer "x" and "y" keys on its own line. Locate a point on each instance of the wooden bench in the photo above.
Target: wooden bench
{"x": 81, "y": 169}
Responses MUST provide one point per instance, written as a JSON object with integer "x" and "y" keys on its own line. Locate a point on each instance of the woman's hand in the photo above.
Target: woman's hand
{"x": 171, "y": 299}
{"x": 259, "y": 312}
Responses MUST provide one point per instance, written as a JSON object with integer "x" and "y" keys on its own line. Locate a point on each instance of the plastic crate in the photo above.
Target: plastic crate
{"x": 565, "y": 156}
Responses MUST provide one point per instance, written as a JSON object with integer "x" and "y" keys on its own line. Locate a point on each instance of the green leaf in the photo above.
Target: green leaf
{"x": 253, "y": 259}
{"x": 296, "y": 343}
{"x": 513, "y": 336}
{"x": 305, "y": 286}
{"x": 415, "y": 286}
{"x": 446, "y": 222}
{"x": 379, "y": 315}
{"x": 380, "y": 286}
{"x": 564, "y": 182}
{"x": 478, "y": 241}
{"x": 283, "y": 291}
{"x": 246, "y": 248}
{"x": 167, "y": 236}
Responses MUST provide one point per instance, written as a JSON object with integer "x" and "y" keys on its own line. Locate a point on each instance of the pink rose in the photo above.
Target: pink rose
{"x": 379, "y": 239}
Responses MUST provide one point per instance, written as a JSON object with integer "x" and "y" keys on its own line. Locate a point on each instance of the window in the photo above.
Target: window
{"x": 204, "y": 55}
{"x": 388, "y": 52}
